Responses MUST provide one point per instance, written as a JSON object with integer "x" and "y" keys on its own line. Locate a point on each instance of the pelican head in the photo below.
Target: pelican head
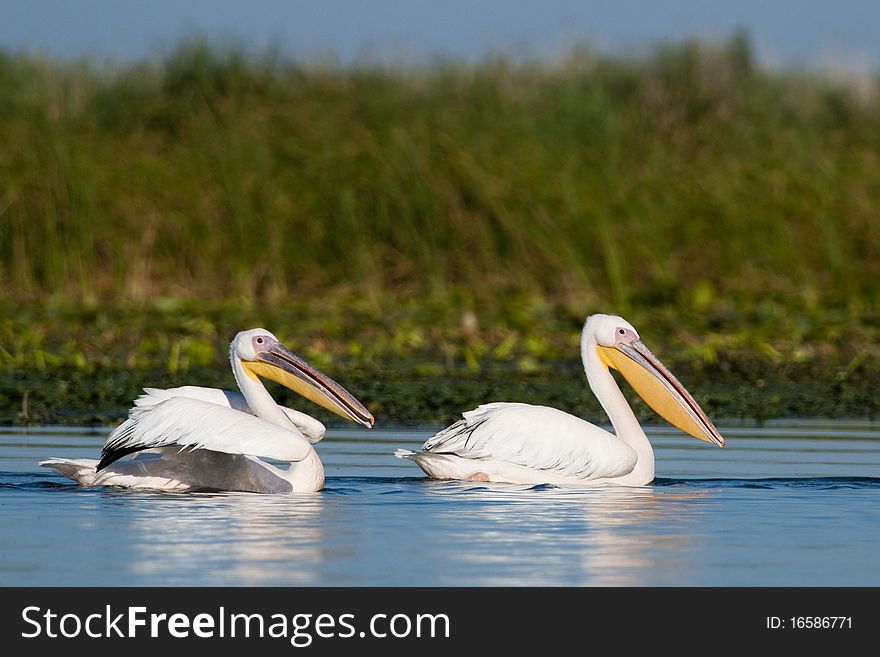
{"x": 619, "y": 347}
{"x": 262, "y": 355}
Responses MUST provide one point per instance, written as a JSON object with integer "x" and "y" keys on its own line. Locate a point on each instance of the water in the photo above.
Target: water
{"x": 789, "y": 503}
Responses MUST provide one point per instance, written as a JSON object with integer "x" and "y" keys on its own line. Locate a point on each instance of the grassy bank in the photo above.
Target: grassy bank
{"x": 413, "y": 362}
{"x": 435, "y": 235}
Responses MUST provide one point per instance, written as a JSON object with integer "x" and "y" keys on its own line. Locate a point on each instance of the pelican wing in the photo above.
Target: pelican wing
{"x": 311, "y": 428}
{"x": 535, "y": 437}
{"x": 198, "y": 424}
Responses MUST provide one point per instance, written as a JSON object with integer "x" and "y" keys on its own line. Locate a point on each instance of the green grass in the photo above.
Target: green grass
{"x": 447, "y": 224}
{"x": 414, "y": 362}
{"x": 605, "y": 180}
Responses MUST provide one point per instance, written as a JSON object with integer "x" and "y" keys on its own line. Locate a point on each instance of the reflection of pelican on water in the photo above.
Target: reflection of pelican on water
{"x": 603, "y": 535}
{"x": 234, "y": 538}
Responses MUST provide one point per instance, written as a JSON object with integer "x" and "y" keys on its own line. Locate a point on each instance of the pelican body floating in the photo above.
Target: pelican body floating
{"x": 205, "y": 438}
{"x": 521, "y": 443}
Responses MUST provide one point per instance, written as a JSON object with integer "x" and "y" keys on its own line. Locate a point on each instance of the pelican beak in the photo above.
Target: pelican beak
{"x": 659, "y": 388}
{"x": 279, "y": 364}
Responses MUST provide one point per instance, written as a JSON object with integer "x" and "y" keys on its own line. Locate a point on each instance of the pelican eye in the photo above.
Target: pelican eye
{"x": 259, "y": 340}
{"x": 621, "y": 331}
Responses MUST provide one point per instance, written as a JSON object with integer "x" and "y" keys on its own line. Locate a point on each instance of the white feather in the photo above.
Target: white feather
{"x": 198, "y": 424}
{"x": 534, "y": 437}
{"x": 80, "y": 470}
{"x": 168, "y": 469}
{"x": 311, "y": 428}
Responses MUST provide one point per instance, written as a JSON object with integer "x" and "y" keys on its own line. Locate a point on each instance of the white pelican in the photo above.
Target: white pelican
{"x": 194, "y": 437}
{"x": 521, "y": 443}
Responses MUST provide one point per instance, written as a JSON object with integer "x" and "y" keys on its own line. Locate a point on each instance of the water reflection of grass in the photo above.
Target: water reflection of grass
{"x": 434, "y": 236}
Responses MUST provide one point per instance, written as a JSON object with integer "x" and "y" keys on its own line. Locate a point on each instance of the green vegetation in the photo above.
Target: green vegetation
{"x": 434, "y": 236}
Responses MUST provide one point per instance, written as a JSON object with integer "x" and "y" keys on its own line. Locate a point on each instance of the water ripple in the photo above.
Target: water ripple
{"x": 770, "y": 483}
{"x": 790, "y": 505}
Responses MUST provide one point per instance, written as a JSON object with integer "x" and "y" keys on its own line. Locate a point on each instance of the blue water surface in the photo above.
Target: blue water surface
{"x": 787, "y": 503}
